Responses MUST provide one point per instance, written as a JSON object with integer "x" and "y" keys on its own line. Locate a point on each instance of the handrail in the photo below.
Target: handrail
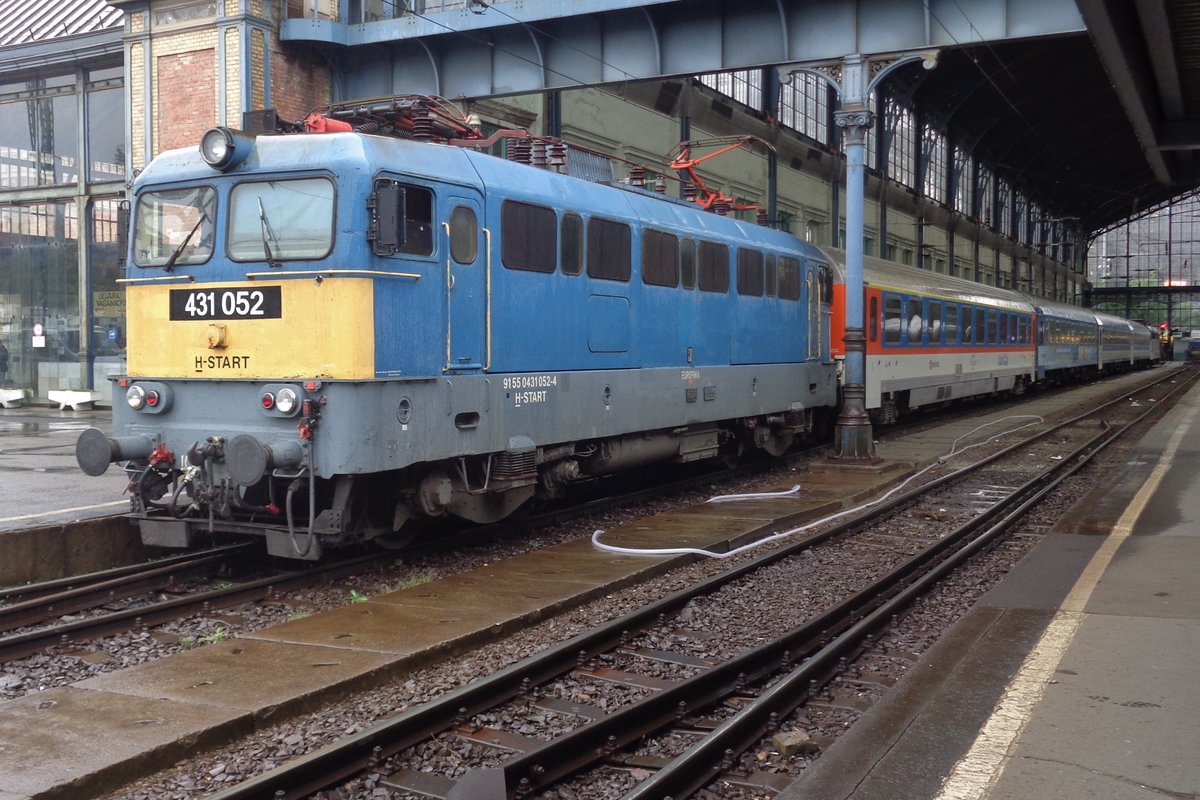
{"x": 449, "y": 287}
{"x": 339, "y": 273}
{"x": 189, "y": 278}
{"x": 488, "y": 294}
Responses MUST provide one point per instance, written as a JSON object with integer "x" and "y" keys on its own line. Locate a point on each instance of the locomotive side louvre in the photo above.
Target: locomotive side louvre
{"x": 319, "y": 355}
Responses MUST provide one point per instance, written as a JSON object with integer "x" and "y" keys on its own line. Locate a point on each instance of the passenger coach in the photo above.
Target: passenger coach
{"x": 934, "y": 338}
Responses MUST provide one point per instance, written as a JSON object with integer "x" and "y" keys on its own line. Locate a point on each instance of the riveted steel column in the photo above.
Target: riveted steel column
{"x": 853, "y": 437}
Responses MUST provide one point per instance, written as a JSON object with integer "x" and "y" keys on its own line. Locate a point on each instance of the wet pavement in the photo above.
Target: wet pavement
{"x": 40, "y": 483}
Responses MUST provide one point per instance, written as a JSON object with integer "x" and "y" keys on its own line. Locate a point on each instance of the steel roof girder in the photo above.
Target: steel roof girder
{"x": 1117, "y": 46}
{"x": 631, "y": 41}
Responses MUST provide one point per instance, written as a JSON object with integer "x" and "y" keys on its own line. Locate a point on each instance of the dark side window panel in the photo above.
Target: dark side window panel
{"x": 980, "y": 327}
{"x": 935, "y": 322}
{"x": 749, "y": 272}
{"x": 529, "y": 236}
{"x": 873, "y": 316}
{"x": 608, "y": 250}
{"x": 571, "y": 258}
{"x": 952, "y": 324}
{"x": 687, "y": 263}
{"x": 418, "y": 222}
{"x": 789, "y": 278}
{"x": 714, "y": 267}
{"x": 892, "y": 308}
{"x": 660, "y": 259}
{"x": 916, "y": 325}
{"x": 769, "y": 277}
{"x": 464, "y": 235}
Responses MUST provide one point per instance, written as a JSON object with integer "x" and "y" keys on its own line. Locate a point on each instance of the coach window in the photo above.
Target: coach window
{"x": 571, "y": 257}
{"x": 935, "y": 322}
{"x": 991, "y": 327}
{"x": 952, "y": 324}
{"x": 464, "y": 235}
{"x": 528, "y": 236}
{"x": 608, "y": 250}
{"x": 789, "y": 278}
{"x": 980, "y": 326}
{"x": 1004, "y": 331}
{"x": 714, "y": 268}
{"x": 873, "y": 317}
{"x": 915, "y": 323}
{"x": 660, "y": 259}
{"x": 892, "y": 310}
{"x": 769, "y": 276}
{"x": 749, "y": 272}
{"x": 687, "y": 263}
{"x": 286, "y": 220}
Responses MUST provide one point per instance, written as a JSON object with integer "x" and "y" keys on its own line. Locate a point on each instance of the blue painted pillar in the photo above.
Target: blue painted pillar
{"x": 854, "y": 77}
{"x": 853, "y": 436}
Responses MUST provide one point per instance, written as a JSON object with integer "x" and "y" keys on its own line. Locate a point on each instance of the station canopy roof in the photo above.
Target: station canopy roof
{"x": 1096, "y": 126}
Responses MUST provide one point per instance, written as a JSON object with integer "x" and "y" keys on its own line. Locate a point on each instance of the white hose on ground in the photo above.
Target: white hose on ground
{"x": 679, "y": 551}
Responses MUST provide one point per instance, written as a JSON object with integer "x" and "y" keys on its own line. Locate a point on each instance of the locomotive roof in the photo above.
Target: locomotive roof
{"x": 349, "y": 154}
{"x": 898, "y": 277}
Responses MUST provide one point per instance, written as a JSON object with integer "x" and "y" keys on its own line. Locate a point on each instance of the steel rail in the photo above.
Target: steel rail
{"x": 43, "y": 588}
{"x": 19, "y": 645}
{"x": 692, "y": 770}
{"x": 95, "y": 593}
{"x": 350, "y": 756}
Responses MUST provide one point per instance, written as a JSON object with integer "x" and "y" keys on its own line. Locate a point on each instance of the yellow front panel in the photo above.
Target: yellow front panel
{"x": 327, "y": 330}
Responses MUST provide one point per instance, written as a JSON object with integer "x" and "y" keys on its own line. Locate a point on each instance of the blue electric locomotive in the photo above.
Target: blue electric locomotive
{"x": 334, "y": 335}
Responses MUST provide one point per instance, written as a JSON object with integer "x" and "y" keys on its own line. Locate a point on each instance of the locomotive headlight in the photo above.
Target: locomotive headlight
{"x": 216, "y": 147}
{"x": 224, "y": 148}
{"x": 285, "y": 401}
{"x": 135, "y": 396}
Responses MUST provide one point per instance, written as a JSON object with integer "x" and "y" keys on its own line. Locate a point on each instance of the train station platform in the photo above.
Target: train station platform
{"x": 1075, "y": 677}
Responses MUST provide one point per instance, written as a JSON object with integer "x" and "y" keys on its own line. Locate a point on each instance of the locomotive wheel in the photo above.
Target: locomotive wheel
{"x": 730, "y": 452}
{"x": 396, "y": 540}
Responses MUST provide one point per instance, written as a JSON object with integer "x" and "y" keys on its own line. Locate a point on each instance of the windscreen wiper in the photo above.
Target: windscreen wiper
{"x": 268, "y": 236}
{"x": 170, "y": 265}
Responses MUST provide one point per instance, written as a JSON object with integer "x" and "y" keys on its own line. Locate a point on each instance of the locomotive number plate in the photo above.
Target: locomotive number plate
{"x": 218, "y": 303}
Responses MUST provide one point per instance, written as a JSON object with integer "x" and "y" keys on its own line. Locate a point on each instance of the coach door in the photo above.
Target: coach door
{"x": 466, "y": 265}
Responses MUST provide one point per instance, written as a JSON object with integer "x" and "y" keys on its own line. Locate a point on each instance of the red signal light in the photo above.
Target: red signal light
{"x": 152, "y": 398}
{"x": 268, "y": 401}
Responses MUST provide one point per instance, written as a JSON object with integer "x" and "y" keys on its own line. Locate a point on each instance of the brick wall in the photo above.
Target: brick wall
{"x": 298, "y": 85}
{"x": 186, "y": 98}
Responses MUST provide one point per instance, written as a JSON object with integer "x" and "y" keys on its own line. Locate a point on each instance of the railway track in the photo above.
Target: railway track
{"x": 679, "y": 686}
{"x": 152, "y": 581}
